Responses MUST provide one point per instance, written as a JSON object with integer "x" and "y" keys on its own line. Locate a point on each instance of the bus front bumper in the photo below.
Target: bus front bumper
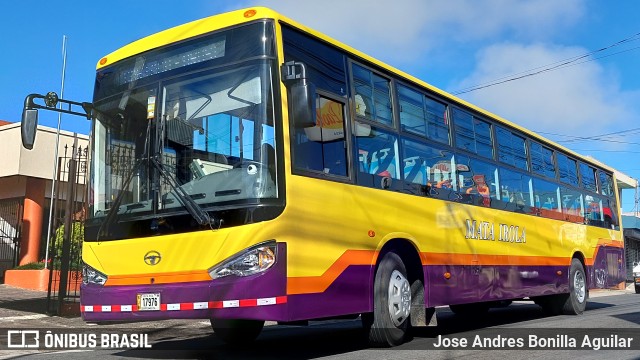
{"x": 260, "y": 297}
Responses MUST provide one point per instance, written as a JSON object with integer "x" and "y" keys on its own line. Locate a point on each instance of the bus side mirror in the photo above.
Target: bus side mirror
{"x": 302, "y": 94}
{"x": 29, "y": 123}
{"x": 29, "y": 126}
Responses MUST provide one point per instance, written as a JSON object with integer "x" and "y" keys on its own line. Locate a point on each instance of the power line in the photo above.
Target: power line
{"x": 551, "y": 67}
{"x": 601, "y": 137}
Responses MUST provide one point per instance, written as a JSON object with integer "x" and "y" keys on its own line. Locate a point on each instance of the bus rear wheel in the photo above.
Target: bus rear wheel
{"x": 237, "y": 331}
{"x": 575, "y": 301}
{"x": 388, "y": 324}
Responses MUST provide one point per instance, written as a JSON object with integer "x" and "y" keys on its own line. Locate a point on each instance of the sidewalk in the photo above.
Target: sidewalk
{"x": 17, "y": 302}
{"x": 593, "y": 293}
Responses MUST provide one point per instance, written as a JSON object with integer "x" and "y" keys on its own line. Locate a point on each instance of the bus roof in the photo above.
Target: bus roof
{"x": 216, "y": 22}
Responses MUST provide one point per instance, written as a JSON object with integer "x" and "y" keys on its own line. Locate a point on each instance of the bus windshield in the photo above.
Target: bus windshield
{"x": 200, "y": 137}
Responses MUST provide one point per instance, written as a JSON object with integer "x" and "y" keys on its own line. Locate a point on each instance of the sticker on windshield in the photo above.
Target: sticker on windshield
{"x": 151, "y": 107}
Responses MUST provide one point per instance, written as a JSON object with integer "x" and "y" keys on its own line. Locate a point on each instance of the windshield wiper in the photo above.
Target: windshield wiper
{"x": 201, "y": 216}
{"x": 113, "y": 211}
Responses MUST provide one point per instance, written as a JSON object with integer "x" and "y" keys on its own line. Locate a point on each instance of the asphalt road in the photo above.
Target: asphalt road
{"x": 605, "y": 315}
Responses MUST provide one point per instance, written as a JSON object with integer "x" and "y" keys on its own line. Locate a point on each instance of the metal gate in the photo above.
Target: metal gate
{"x": 10, "y": 226}
{"x": 65, "y": 246}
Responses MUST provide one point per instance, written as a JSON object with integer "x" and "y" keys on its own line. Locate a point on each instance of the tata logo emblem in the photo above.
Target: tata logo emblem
{"x": 152, "y": 258}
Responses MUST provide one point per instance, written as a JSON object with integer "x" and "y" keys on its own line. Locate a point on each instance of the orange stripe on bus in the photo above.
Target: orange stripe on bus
{"x": 483, "y": 259}
{"x": 164, "y": 278}
{"x": 603, "y": 243}
{"x": 316, "y": 284}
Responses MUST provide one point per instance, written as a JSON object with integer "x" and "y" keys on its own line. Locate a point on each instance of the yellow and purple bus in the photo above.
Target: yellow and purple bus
{"x": 247, "y": 168}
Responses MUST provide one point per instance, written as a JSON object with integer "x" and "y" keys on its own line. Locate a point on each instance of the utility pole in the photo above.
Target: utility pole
{"x": 55, "y": 156}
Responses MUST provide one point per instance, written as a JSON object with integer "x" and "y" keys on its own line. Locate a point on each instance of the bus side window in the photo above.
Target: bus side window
{"x": 572, "y": 205}
{"x": 321, "y": 148}
{"x": 373, "y": 95}
{"x": 383, "y": 163}
{"x": 414, "y": 170}
{"x": 377, "y": 157}
{"x": 547, "y": 199}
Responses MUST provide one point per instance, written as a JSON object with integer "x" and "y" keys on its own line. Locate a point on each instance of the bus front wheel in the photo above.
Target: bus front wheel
{"x": 237, "y": 331}
{"x": 388, "y": 324}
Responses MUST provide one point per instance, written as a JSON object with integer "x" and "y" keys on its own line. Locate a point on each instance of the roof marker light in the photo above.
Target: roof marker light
{"x": 249, "y": 13}
{"x": 103, "y": 61}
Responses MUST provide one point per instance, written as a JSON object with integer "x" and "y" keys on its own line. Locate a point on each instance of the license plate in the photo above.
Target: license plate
{"x": 148, "y": 302}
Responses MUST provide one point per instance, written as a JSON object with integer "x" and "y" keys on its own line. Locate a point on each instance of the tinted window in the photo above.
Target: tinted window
{"x": 428, "y": 170}
{"x": 377, "y": 156}
{"x": 516, "y": 190}
{"x": 322, "y": 147}
{"x": 472, "y": 134}
{"x": 325, "y": 64}
{"x": 372, "y": 95}
{"x": 567, "y": 168}
{"x": 572, "y": 205}
{"x": 423, "y": 116}
{"x": 601, "y": 211}
{"x": 593, "y": 210}
{"x": 478, "y": 181}
{"x": 588, "y": 175}
{"x": 546, "y": 197}
{"x": 511, "y": 148}
{"x": 542, "y": 160}
{"x": 606, "y": 183}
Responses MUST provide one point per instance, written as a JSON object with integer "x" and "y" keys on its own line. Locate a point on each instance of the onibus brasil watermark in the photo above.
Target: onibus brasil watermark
{"x": 69, "y": 339}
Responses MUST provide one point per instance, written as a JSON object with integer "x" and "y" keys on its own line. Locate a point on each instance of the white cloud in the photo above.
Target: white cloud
{"x": 476, "y": 20}
{"x": 583, "y": 99}
{"x": 403, "y": 30}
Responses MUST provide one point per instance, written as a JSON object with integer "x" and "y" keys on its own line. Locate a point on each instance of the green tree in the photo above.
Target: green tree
{"x": 77, "y": 237}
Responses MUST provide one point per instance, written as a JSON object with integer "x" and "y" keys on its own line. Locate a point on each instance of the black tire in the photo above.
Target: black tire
{"x": 575, "y": 301}
{"x": 578, "y": 290}
{"x": 474, "y": 309}
{"x": 391, "y": 291}
{"x": 237, "y": 331}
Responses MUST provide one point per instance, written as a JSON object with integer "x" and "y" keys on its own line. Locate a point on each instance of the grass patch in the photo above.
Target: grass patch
{"x": 30, "y": 266}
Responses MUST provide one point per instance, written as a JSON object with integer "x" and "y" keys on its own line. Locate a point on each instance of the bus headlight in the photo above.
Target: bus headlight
{"x": 251, "y": 261}
{"x": 92, "y": 276}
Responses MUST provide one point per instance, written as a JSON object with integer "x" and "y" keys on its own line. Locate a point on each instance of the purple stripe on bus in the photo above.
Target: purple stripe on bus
{"x": 469, "y": 283}
{"x": 350, "y": 293}
{"x": 605, "y": 275}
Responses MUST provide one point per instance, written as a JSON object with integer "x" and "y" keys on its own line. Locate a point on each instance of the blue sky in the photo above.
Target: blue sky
{"x": 453, "y": 45}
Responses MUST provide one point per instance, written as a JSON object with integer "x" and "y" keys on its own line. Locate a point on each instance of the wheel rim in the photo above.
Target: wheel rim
{"x": 399, "y": 298}
{"x": 579, "y": 286}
